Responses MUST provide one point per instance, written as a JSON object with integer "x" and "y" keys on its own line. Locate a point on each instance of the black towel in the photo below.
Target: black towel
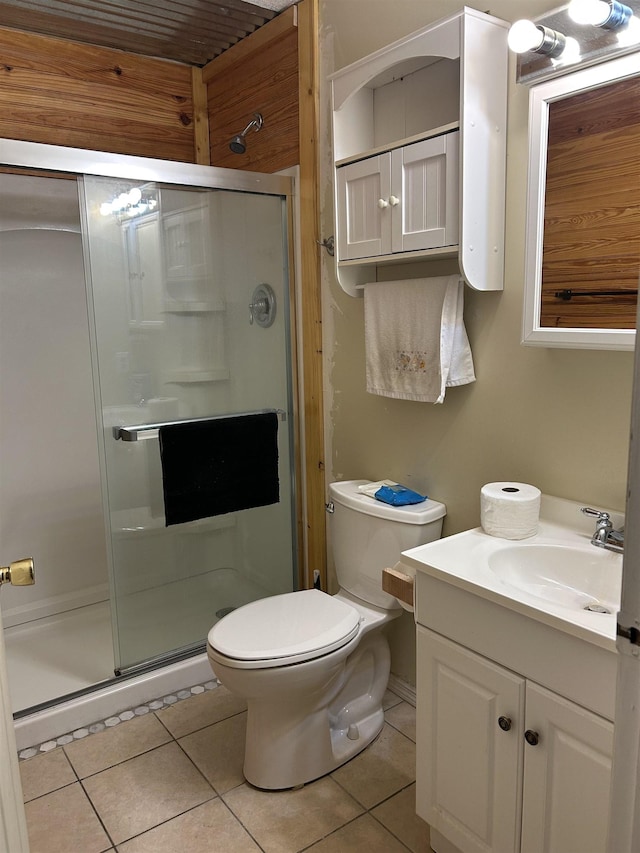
{"x": 220, "y": 465}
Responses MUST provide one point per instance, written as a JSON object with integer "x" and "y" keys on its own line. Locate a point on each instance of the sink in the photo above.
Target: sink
{"x": 580, "y": 578}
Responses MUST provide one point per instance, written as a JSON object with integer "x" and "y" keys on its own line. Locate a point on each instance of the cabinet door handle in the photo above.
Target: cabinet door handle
{"x": 504, "y": 723}
{"x": 382, "y": 203}
{"x": 394, "y": 200}
{"x": 531, "y": 737}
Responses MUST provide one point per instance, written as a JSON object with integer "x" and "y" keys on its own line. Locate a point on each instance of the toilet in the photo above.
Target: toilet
{"x": 314, "y": 667}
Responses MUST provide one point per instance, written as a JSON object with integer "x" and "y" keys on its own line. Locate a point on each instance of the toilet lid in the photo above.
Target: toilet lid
{"x": 285, "y": 628}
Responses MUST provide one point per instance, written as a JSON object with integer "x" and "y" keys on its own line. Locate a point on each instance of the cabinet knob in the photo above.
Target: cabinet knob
{"x": 394, "y": 200}
{"x": 531, "y": 737}
{"x": 504, "y": 723}
{"x": 382, "y": 203}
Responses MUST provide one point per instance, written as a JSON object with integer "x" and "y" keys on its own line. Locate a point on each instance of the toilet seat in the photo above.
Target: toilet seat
{"x": 283, "y": 629}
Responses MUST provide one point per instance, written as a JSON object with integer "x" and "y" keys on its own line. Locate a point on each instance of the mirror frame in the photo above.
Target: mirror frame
{"x": 540, "y": 97}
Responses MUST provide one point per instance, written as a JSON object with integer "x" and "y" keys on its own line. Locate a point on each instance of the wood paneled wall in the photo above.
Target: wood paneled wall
{"x": 83, "y": 96}
{"x": 258, "y": 75}
{"x": 592, "y": 214}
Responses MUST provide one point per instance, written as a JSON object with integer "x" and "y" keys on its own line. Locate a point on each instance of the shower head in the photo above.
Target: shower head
{"x": 238, "y": 144}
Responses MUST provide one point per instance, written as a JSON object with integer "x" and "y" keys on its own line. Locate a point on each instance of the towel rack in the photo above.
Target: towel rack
{"x": 141, "y": 432}
{"x": 568, "y": 294}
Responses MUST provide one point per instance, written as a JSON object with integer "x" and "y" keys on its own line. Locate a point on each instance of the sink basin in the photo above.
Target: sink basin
{"x": 580, "y": 578}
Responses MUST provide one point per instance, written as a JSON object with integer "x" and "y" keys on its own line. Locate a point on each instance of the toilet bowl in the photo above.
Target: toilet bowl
{"x": 313, "y": 667}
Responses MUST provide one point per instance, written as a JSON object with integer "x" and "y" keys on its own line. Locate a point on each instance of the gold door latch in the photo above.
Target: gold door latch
{"x": 19, "y": 573}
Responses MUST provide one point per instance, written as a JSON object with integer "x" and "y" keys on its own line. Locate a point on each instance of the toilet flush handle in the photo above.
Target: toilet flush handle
{"x": 330, "y": 508}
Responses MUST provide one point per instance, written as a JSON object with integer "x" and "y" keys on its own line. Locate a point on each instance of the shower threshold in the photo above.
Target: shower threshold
{"x": 109, "y": 698}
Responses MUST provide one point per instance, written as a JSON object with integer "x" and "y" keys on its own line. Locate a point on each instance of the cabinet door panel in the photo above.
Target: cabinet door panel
{"x": 363, "y": 226}
{"x": 468, "y": 768}
{"x": 424, "y": 178}
{"x": 566, "y": 777}
{"x": 186, "y": 244}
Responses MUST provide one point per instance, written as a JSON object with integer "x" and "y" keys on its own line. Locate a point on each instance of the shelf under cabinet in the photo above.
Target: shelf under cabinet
{"x": 443, "y": 252}
{"x": 401, "y": 143}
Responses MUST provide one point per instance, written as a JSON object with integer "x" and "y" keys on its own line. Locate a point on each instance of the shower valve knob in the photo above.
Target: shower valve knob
{"x": 19, "y": 573}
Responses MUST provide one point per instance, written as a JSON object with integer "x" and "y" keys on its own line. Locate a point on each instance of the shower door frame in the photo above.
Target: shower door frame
{"x": 78, "y": 162}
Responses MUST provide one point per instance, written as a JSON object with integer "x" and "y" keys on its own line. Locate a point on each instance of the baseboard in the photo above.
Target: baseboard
{"x": 402, "y": 689}
{"x": 54, "y": 604}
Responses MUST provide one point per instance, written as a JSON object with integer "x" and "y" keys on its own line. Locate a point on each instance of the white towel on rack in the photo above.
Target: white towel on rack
{"x": 415, "y": 340}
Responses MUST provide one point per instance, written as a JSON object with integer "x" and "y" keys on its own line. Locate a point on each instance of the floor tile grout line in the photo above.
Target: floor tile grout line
{"x": 235, "y": 817}
{"x": 168, "y": 820}
{"x": 207, "y": 725}
{"x": 400, "y": 731}
{"x": 97, "y": 814}
{"x": 388, "y": 829}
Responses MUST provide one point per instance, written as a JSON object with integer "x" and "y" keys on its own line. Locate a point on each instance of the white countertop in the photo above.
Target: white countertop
{"x": 463, "y": 561}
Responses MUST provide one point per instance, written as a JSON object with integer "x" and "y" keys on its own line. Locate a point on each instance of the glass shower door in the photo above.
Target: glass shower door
{"x": 171, "y": 274}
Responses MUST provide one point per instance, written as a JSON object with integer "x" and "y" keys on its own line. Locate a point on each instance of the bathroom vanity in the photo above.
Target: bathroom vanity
{"x": 516, "y": 687}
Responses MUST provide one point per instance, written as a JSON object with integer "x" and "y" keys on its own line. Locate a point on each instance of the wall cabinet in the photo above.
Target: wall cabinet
{"x": 419, "y": 146}
{"x": 401, "y": 200}
{"x": 505, "y": 764}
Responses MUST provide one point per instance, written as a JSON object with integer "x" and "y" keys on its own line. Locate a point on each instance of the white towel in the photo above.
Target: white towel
{"x": 415, "y": 340}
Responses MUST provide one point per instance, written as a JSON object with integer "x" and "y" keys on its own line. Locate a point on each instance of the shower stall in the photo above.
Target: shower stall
{"x": 134, "y": 294}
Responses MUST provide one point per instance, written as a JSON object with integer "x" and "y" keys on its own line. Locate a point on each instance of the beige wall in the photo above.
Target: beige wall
{"x": 556, "y": 418}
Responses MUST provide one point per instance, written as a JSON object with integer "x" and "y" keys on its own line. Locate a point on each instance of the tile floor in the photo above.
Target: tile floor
{"x": 171, "y": 781}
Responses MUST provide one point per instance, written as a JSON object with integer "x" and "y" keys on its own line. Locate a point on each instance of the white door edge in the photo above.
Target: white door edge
{"x": 13, "y": 826}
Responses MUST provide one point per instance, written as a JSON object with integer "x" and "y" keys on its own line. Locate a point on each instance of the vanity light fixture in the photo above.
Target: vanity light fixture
{"x": 127, "y": 205}
{"x": 525, "y": 36}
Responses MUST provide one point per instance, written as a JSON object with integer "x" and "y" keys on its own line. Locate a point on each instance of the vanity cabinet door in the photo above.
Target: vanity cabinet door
{"x": 567, "y": 776}
{"x": 424, "y": 199}
{"x": 469, "y": 746}
{"x": 364, "y": 211}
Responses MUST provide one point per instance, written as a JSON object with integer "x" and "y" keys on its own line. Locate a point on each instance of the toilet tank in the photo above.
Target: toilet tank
{"x": 368, "y": 536}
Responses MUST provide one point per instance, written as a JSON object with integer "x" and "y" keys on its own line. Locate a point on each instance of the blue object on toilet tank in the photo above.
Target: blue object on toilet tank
{"x": 398, "y": 495}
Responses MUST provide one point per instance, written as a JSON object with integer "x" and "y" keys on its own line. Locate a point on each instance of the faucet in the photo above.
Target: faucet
{"x": 604, "y": 535}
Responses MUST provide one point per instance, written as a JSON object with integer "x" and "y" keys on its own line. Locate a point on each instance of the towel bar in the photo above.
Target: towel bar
{"x": 567, "y": 295}
{"x": 141, "y": 432}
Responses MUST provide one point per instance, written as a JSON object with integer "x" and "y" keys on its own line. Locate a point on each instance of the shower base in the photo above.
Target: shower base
{"x": 58, "y": 655}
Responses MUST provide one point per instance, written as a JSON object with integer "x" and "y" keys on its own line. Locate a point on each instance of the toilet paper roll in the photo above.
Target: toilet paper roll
{"x": 510, "y": 510}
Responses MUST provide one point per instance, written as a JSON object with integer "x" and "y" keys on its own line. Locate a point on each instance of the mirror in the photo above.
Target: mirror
{"x": 582, "y": 259}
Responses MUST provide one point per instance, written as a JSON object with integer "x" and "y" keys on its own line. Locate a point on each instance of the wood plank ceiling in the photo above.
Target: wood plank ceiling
{"x": 189, "y": 31}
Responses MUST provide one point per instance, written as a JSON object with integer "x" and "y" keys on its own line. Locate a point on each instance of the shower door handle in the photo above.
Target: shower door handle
{"x": 18, "y": 573}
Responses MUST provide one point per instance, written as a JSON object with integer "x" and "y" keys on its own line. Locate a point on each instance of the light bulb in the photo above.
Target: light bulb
{"x": 571, "y": 52}
{"x": 593, "y": 12}
{"x": 524, "y": 36}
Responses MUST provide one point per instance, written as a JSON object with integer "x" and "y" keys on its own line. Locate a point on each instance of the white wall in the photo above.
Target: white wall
{"x": 50, "y": 503}
{"x": 555, "y": 418}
